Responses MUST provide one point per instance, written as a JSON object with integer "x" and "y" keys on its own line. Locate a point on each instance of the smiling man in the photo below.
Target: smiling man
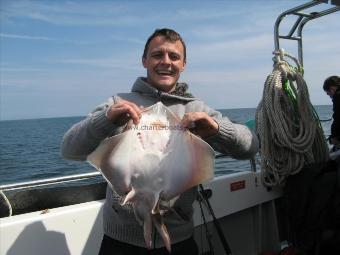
{"x": 164, "y": 59}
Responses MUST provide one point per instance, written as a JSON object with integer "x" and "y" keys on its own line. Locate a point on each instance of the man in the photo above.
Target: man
{"x": 164, "y": 59}
{"x": 332, "y": 87}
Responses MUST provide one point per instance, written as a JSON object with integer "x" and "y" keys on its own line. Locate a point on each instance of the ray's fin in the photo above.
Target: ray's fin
{"x": 162, "y": 230}
{"x": 147, "y": 228}
{"x": 130, "y": 197}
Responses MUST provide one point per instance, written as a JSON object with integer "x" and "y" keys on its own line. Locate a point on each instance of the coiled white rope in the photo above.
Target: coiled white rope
{"x": 289, "y": 131}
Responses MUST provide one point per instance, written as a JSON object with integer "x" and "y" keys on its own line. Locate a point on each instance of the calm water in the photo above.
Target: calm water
{"x": 30, "y": 149}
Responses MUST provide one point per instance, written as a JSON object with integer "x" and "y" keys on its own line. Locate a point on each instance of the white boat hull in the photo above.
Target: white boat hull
{"x": 247, "y": 217}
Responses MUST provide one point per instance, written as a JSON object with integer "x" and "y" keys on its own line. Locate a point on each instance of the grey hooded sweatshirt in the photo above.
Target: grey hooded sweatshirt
{"x": 119, "y": 221}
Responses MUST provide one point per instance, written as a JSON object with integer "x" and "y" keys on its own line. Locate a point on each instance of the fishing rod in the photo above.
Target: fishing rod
{"x": 207, "y": 233}
{"x": 215, "y": 221}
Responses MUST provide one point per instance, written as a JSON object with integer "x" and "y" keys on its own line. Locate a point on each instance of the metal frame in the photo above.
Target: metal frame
{"x": 295, "y": 32}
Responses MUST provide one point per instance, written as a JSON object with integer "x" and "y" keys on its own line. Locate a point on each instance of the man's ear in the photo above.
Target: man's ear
{"x": 184, "y": 64}
{"x": 144, "y": 62}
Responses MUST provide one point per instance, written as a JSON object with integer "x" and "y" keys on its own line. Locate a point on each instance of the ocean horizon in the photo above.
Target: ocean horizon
{"x": 83, "y": 116}
{"x": 30, "y": 148}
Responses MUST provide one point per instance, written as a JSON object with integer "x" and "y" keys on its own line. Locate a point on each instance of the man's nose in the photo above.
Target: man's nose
{"x": 166, "y": 59}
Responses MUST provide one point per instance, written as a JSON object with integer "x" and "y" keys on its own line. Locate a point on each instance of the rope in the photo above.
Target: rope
{"x": 8, "y": 203}
{"x": 290, "y": 133}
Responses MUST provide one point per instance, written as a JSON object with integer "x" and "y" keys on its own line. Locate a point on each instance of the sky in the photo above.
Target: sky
{"x": 62, "y": 58}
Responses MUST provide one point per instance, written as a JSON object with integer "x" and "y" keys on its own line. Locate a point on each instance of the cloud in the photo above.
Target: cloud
{"x": 41, "y": 38}
{"x": 234, "y": 52}
{"x": 26, "y": 37}
{"x": 5, "y": 67}
{"x": 128, "y": 39}
{"x": 118, "y": 13}
{"x": 70, "y": 13}
{"x": 111, "y": 63}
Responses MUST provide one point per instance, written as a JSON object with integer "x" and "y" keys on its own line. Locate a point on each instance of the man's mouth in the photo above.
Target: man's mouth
{"x": 165, "y": 72}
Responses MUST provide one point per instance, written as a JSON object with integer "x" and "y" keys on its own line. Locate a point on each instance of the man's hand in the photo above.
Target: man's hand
{"x": 335, "y": 141}
{"x": 200, "y": 123}
{"x": 122, "y": 111}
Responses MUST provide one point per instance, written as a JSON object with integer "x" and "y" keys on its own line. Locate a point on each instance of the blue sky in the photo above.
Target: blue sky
{"x": 62, "y": 58}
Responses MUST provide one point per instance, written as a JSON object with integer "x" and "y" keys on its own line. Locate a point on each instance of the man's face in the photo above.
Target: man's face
{"x": 164, "y": 62}
{"x": 331, "y": 91}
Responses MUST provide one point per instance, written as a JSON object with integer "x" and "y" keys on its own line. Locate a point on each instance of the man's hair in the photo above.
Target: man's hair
{"x": 169, "y": 35}
{"x": 331, "y": 81}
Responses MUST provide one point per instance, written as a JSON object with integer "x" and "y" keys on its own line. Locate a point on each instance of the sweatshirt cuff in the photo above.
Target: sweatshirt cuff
{"x": 102, "y": 123}
{"x": 226, "y": 131}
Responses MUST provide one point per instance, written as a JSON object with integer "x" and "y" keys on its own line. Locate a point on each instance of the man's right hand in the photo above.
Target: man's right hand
{"x": 122, "y": 111}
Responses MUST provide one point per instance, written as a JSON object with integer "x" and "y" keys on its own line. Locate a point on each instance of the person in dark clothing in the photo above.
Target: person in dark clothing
{"x": 332, "y": 87}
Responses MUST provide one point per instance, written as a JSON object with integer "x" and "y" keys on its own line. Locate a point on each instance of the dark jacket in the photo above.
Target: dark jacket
{"x": 335, "y": 128}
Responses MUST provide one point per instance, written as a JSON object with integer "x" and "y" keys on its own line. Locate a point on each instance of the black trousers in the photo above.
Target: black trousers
{"x": 110, "y": 246}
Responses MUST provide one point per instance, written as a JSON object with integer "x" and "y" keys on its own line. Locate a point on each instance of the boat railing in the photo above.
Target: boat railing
{"x": 48, "y": 181}
{"x": 303, "y": 14}
{"x": 59, "y": 180}
{"x": 11, "y": 194}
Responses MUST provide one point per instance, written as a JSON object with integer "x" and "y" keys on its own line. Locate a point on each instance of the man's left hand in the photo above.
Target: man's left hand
{"x": 200, "y": 123}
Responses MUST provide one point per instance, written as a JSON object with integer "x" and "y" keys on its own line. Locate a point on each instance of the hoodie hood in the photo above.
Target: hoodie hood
{"x": 181, "y": 93}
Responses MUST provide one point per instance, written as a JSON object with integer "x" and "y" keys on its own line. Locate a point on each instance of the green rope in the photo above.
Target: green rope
{"x": 290, "y": 92}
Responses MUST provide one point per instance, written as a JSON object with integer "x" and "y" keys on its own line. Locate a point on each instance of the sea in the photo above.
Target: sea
{"x": 30, "y": 148}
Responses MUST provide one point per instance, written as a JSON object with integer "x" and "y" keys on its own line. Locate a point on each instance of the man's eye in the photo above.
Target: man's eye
{"x": 175, "y": 57}
{"x": 158, "y": 55}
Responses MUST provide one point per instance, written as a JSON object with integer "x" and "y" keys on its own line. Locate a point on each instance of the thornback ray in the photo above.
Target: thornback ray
{"x": 153, "y": 161}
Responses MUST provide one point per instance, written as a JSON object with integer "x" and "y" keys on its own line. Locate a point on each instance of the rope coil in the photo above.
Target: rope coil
{"x": 288, "y": 127}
